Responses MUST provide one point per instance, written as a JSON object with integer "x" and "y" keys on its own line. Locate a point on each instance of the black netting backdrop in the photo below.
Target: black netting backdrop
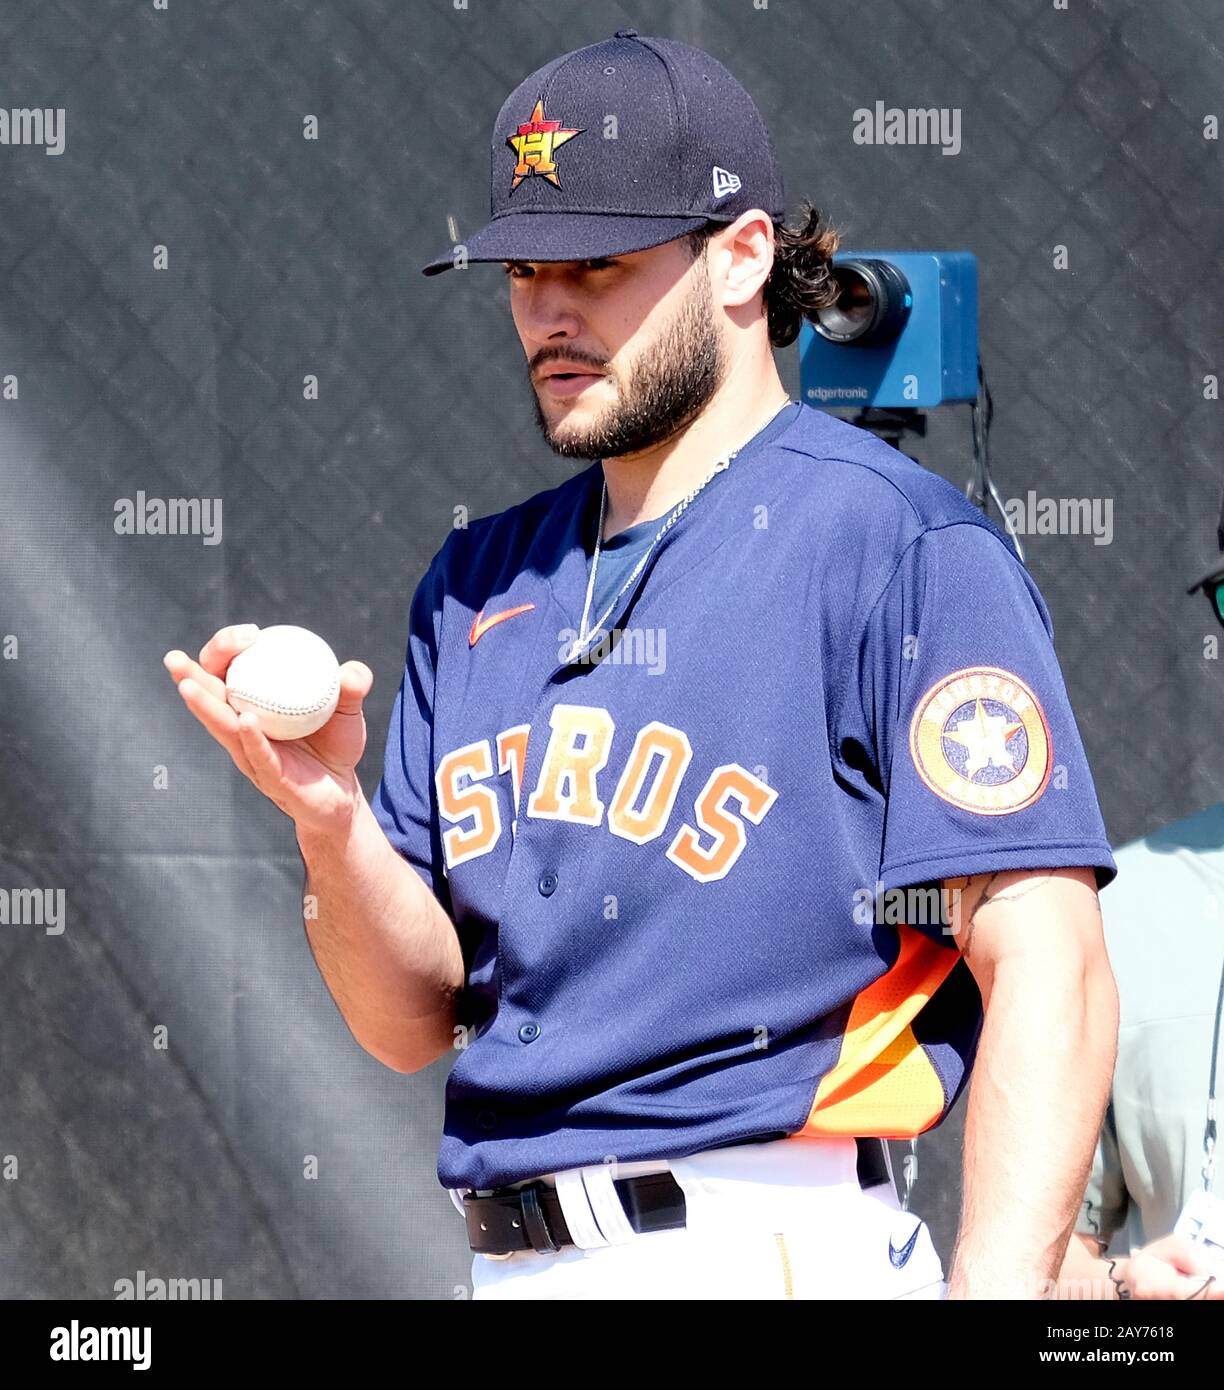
{"x": 173, "y": 1070}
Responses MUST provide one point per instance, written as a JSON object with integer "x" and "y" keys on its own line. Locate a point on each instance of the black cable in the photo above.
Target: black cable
{"x": 1123, "y": 1291}
{"x": 980, "y": 488}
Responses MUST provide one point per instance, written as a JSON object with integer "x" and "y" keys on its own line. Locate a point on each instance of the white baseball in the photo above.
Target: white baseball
{"x": 289, "y": 677}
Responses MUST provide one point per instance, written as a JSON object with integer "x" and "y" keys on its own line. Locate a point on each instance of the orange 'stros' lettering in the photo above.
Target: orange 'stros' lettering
{"x": 512, "y": 757}
{"x": 456, "y": 803}
{"x": 675, "y": 753}
{"x": 755, "y": 798}
{"x": 566, "y": 788}
{"x": 579, "y": 745}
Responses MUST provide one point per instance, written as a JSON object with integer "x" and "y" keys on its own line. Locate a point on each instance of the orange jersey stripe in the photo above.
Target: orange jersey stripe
{"x": 883, "y": 1083}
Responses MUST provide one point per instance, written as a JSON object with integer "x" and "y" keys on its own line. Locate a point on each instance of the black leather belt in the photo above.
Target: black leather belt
{"x": 508, "y": 1219}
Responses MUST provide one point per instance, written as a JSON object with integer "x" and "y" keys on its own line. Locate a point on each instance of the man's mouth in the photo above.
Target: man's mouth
{"x": 570, "y": 383}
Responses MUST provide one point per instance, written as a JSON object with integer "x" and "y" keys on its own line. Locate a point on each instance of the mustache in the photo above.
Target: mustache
{"x": 568, "y": 357}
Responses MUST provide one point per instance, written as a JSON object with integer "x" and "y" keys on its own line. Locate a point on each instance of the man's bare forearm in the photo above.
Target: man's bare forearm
{"x": 1034, "y": 942}
{"x": 387, "y": 951}
{"x": 1039, "y": 1089}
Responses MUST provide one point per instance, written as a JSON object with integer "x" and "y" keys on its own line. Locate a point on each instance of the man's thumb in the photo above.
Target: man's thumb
{"x": 356, "y": 680}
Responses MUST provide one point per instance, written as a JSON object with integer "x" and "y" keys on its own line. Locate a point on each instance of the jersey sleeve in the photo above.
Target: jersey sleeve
{"x": 404, "y": 802}
{"x": 1106, "y": 1202}
{"x": 968, "y": 722}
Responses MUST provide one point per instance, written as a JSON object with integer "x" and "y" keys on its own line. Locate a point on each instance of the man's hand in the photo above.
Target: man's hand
{"x": 1041, "y": 1077}
{"x": 313, "y": 780}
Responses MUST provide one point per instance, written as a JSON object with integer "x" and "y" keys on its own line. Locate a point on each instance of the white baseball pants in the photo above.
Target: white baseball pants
{"x": 781, "y": 1219}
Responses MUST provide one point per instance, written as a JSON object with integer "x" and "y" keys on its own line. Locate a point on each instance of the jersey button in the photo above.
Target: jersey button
{"x": 548, "y": 884}
{"x": 529, "y": 1032}
{"x": 487, "y": 1120}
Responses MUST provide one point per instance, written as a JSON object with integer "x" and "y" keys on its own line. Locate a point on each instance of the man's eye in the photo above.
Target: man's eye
{"x": 522, "y": 272}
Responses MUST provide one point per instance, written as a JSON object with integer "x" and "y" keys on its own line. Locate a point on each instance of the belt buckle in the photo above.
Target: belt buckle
{"x": 486, "y": 1254}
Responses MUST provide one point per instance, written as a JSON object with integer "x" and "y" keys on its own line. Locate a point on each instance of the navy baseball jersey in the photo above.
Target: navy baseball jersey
{"x": 673, "y": 857}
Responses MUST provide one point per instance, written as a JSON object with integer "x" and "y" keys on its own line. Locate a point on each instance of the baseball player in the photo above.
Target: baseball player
{"x": 681, "y": 748}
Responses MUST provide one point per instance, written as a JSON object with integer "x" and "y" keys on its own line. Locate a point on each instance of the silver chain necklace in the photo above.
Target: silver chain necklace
{"x": 585, "y": 634}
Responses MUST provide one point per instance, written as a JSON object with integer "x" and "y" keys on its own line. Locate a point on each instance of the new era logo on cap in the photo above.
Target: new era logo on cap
{"x": 725, "y": 182}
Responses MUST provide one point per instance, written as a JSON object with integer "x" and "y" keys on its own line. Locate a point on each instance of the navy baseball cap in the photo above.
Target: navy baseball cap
{"x": 618, "y": 147}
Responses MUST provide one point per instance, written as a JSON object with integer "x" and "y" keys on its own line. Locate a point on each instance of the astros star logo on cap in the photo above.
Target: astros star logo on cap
{"x": 535, "y": 143}
{"x": 980, "y": 740}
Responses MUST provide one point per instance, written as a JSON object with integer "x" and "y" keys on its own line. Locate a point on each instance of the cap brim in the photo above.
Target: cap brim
{"x": 555, "y": 236}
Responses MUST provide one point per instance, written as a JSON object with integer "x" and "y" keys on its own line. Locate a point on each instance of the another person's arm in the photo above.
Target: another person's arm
{"x": 1041, "y": 1078}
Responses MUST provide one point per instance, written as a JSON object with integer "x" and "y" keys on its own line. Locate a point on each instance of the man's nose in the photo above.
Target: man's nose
{"x": 549, "y": 308}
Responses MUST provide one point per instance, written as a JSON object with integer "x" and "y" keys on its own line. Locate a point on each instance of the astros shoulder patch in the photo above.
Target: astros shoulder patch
{"x": 980, "y": 740}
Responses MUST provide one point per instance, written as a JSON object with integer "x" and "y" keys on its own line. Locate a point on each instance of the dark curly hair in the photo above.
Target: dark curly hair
{"x": 801, "y": 281}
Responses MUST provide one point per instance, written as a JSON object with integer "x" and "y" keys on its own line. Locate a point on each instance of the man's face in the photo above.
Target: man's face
{"x": 644, "y": 326}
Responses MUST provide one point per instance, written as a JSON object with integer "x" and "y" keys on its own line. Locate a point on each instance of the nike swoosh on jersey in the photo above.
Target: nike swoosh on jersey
{"x": 481, "y": 624}
{"x": 900, "y": 1258}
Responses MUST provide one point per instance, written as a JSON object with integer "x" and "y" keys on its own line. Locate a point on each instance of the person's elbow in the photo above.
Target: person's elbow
{"x": 411, "y": 1053}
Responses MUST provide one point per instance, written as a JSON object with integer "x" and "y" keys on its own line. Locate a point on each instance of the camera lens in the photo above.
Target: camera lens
{"x": 872, "y": 305}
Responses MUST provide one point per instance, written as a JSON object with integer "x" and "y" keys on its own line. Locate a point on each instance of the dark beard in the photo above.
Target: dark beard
{"x": 670, "y": 385}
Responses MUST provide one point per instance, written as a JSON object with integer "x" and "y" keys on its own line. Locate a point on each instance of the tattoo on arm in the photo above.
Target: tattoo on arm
{"x": 991, "y": 895}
